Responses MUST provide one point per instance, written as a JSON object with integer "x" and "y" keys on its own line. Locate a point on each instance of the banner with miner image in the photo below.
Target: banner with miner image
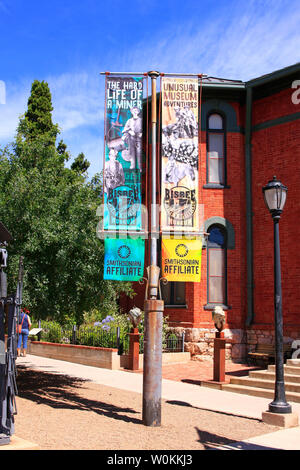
{"x": 123, "y": 153}
{"x": 179, "y": 211}
{"x": 181, "y": 260}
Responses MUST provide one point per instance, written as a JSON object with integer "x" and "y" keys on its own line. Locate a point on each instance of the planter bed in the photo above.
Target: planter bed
{"x": 167, "y": 358}
{"x": 106, "y": 358}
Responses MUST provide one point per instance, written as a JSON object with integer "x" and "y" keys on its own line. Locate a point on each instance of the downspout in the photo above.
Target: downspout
{"x": 249, "y": 214}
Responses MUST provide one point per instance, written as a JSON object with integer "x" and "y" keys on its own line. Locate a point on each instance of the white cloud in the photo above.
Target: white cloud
{"x": 251, "y": 39}
{"x": 2, "y": 92}
{"x": 77, "y": 99}
{"x": 14, "y": 107}
{"x": 4, "y": 7}
{"x": 88, "y": 142}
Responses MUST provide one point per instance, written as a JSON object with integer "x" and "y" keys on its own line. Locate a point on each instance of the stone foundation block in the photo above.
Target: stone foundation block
{"x": 288, "y": 420}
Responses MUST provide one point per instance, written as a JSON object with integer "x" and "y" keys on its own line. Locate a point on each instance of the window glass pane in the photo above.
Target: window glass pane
{"x": 216, "y": 290}
{"x": 216, "y": 144}
{"x": 179, "y": 293}
{"x": 216, "y": 237}
{"x": 215, "y": 170}
{"x": 215, "y": 121}
{"x": 173, "y": 293}
{"x": 216, "y": 258}
{"x": 166, "y": 293}
{"x": 216, "y": 262}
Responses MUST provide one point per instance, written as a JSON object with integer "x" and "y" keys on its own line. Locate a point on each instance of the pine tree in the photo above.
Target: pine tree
{"x": 80, "y": 164}
{"x": 37, "y": 121}
{"x": 36, "y": 128}
{"x": 62, "y": 151}
{"x": 51, "y": 212}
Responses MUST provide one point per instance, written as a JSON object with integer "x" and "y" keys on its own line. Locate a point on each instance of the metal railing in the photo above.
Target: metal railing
{"x": 97, "y": 336}
{"x": 84, "y": 336}
{"x": 174, "y": 343}
{"x": 171, "y": 343}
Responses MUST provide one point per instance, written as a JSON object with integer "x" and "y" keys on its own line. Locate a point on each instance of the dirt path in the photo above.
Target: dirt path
{"x": 59, "y": 412}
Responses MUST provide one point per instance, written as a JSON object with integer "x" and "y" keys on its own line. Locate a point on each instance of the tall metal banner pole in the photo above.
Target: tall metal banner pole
{"x": 154, "y": 307}
{"x": 153, "y": 251}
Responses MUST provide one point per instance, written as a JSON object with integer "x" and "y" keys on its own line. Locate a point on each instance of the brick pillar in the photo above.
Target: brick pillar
{"x": 134, "y": 349}
{"x": 219, "y": 357}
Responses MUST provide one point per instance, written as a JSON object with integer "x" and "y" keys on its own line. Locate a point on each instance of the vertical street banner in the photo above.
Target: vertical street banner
{"x": 123, "y": 153}
{"x": 179, "y": 211}
{"x": 181, "y": 260}
{"x": 124, "y": 259}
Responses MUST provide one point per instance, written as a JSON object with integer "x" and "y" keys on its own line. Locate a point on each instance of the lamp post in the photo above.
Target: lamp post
{"x": 275, "y": 196}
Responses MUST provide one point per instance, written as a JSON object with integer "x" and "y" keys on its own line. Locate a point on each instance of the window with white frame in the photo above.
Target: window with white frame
{"x": 216, "y": 149}
{"x": 217, "y": 265}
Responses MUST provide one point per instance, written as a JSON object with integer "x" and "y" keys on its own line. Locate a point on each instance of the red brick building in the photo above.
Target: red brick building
{"x": 250, "y": 131}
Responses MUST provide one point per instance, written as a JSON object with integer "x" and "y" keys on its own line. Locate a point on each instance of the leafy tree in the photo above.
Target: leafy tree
{"x": 37, "y": 121}
{"x": 36, "y": 128}
{"x": 80, "y": 164}
{"x": 50, "y": 211}
{"x": 62, "y": 150}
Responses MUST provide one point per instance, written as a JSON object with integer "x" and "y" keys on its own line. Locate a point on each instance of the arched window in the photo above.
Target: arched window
{"x": 217, "y": 265}
{"x": 216, "y": 149}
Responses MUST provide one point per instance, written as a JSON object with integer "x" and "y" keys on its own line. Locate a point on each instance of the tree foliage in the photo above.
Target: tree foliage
{"x": 50, "y": 211}
{"x": 80, "y": 164}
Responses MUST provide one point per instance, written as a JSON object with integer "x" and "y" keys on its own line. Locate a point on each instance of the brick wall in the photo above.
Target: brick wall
{"x": 274, "y": 106}
{"x": 230, "y": 204}
{"x": 276, "y": 151}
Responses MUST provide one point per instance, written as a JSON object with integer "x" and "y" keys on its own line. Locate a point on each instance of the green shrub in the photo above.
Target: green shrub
{"x": 100, "y": 333}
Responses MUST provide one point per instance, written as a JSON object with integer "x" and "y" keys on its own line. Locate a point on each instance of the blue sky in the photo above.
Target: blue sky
{"x": 68, "y": 43}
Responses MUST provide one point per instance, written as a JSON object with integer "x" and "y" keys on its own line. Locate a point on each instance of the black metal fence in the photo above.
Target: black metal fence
{"x": 97, "y": 336}
{"x": 83, "y": 335}
{"x": 172, "y": 343}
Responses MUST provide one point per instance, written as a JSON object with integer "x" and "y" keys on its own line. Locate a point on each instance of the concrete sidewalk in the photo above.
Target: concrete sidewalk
{"x": 181, "y": 393}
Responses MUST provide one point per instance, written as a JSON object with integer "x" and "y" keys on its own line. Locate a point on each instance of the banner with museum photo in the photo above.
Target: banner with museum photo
{"x": 124, "y": 259}
{"x": 123, "y": 153}
{"x": 180, "y": 167}
{"x": 181, "y": 260}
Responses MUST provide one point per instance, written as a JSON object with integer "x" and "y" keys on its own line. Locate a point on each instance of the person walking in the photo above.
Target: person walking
{"x": 24, "y": 326}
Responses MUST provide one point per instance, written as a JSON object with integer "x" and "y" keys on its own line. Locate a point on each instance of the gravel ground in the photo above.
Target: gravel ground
{"x": 60, "y": 412}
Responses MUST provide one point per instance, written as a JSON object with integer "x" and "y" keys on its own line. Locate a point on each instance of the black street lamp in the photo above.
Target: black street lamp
{"x": 275, "y": 196}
